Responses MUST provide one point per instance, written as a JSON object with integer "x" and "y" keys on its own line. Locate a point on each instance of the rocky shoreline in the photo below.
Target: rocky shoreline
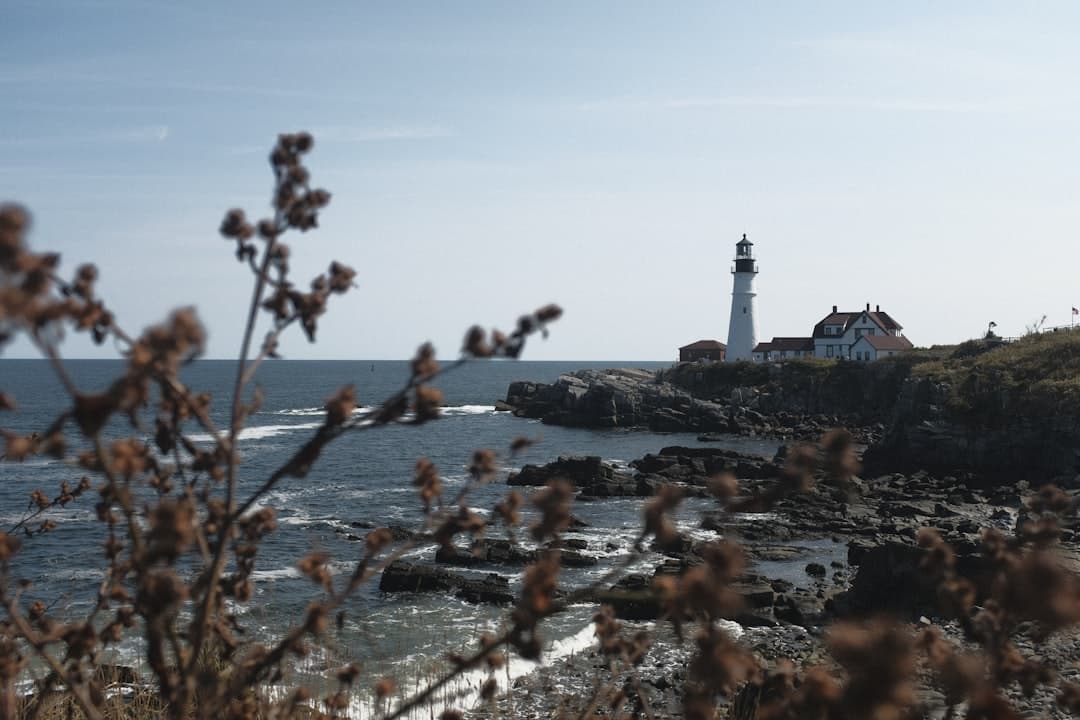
{"x": 839, "y": 551}
{"x": 842, "y": 550}
{"x": 961, "y": 420}
{"x": 631, "y": 398}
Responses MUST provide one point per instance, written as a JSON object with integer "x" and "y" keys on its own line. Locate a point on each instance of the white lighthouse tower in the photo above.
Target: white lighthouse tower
{"x": 742, "y": 329}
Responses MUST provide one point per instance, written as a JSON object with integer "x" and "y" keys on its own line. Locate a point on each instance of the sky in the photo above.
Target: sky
{"x": 489, "y": 158}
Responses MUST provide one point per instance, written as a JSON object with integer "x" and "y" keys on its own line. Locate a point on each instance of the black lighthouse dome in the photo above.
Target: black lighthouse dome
{"x": 744, "y": 256}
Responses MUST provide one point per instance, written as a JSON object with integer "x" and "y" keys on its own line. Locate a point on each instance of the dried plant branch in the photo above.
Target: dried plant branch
{"x": 39, "y": 645}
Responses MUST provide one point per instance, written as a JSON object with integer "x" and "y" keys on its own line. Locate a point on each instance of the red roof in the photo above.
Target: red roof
{"x": 844, "y": 319}
{"x": 786, "y": 344}
{"x": 705, "y": 345}
{"x": 887, "y": 342}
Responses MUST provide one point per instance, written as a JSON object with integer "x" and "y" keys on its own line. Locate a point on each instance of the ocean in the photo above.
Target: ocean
{"x": 362, "y": 479}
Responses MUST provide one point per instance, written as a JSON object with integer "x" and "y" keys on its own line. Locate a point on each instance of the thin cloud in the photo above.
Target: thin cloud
{"x": 380, "y": 134}
{"x": 914, "y": 105}
{"x": 64, "y": 75}
{"x": 144, "y": 134}
{"x": 247, "y": 149}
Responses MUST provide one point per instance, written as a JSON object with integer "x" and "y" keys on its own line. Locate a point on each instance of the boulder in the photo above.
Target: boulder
{"x": 402, "y": 576}
{"x": 889, "y": 579}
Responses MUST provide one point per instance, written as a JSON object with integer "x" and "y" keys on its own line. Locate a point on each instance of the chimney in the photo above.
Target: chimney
{"x": 877, "y": 308}
{"x": 867, "y": 307}
{"x": 834, "y": 308}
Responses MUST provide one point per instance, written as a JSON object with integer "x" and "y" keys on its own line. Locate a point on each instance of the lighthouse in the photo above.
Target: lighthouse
{"x": 742, "y": 329}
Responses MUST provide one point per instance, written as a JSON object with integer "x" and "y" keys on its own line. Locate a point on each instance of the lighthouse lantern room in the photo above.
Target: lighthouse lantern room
{"x": 742, "y": 328}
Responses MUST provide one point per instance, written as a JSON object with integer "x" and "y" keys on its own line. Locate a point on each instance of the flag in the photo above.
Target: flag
{"x": 1076, "y": 312}
{"x": 993, "y": 324}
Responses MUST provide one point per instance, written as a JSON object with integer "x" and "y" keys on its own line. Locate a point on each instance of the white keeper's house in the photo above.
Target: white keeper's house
{"x": 864, "y": 335}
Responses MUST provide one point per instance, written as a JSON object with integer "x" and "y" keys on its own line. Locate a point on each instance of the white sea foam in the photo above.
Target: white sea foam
{"x": 276, "y": 574}
{"x": 301, "y": 411}
{"x": 87, "y": 574}
{"x": 68, "y": 514}
{"x": 468, "y": 409}
{"x": 465, "y": 691}
{"x": 313, "y": 411}
{"x": 260, "y": 432}
{"x": 696, "y": 533}
{"x": 300, "y": 520}
{"x": 360, "y": 412}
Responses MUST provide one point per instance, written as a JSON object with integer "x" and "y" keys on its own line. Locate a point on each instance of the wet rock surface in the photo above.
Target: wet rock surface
{"x": 589, "y": 475}
{"x": 504, "y": 552}
{"x": 838, "y": 552}
{"x": 402, "y": 576}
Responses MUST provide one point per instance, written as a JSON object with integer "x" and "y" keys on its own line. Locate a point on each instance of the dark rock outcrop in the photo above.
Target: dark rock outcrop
{"x": 673, "y": 402}
{"x": 616, "y": 398}
{"x": 402, "y": 576}
{"x": 993, "y": 440}
{"x": 590, "y": 475}
{"x": 633, "y": 598}
{"x": 675, "y": 460}
{"x": 689, "y": 468}
{"x": 859, "y": 393}
{"x": 504, "y": 552}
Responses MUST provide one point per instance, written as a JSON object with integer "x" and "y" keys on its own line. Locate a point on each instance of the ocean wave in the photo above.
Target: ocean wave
{"x": 281, "y": 573}
{"x": 60, "y": 514}
{"x": 464, "y": 691}
{"x": 468, "y": 409}
{"x": 297, "y": 520}
{"x": 301, "y": 411}
{"x": 314, "y": 411}
{"x": 87, "y": 574}
{"x": 259, "y": 432}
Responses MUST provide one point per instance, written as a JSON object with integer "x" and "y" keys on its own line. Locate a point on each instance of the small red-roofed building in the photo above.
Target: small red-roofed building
{"x": 713, "y": 350}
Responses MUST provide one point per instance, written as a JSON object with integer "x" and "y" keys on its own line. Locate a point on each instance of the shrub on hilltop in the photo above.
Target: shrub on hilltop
{"x": 1037, "y": 376}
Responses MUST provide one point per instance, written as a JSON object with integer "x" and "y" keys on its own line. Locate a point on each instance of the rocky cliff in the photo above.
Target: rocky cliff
{"x": 863, "y": 392}
{"x": 616, "y": 398}
{"x": 1009, "y": 414}
{"x": 801, "y": 400}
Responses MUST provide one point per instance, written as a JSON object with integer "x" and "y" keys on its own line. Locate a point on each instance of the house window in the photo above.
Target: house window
{"x": 858, "y": 332}
{"x": 828, "y": 351}
{"x": 744, "y": 310}
{"x": 870, "y": 331}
